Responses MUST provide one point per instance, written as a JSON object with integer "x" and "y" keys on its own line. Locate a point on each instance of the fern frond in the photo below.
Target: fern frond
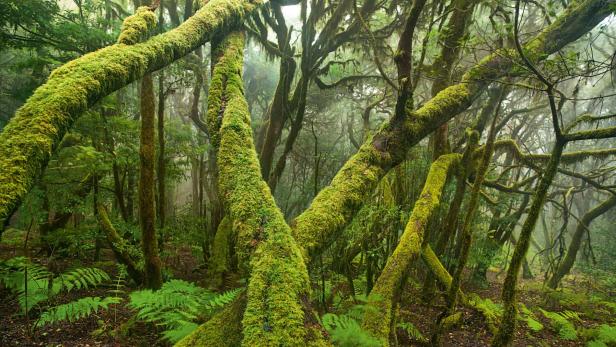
{"x": 75, "y": 310}
{"x": 82, "y": 278}
{"x": 178, "y": 306}
{"x": 346, "y": 331}
{"x": 412, "y": 331}
{"x": 560, "y": 322}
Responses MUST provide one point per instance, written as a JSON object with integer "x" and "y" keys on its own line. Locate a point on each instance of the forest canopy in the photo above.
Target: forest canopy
{"x": 308, "y": 172}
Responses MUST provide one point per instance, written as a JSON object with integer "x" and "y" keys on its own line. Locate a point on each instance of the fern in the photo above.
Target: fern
{"x": 34, "y": 284}
{"x": 75, "y": 310}
{"x": 603, "y": 336}
{"x": 346, "y": 332}
{"x": 178, "y": 306}
{"x": 490, "y": 310}
{"x": 82, "y": 278}
{"x": 412, "y": 331}
{"x": 529, "y": 317}
{"x": 560, "y": 321}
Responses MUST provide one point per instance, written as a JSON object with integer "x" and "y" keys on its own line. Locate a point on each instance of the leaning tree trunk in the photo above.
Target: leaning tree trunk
{"x": 385, "y": 294}
{"x": 509, "y": 319}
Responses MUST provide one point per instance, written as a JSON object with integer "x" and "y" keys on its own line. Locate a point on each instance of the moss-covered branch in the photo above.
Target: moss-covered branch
{"x": 572, "y": 157}
{"x": 31, "y": 135}
{"x": 385, "y": 294}
{"x": 138, "y": 27}
{"x": 335, "y": 205}
{"x": 509, "y": 320}
{"x": 124, "y": 252}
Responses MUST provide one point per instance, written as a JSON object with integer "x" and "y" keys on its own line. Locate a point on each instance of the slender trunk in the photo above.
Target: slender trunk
{"x": 452, "y": 40}
{"x": 278, "y": 114}
{"x": 161, "y": 153}
{"x": 508, "y": 322}
{"x": 147, "y": 212}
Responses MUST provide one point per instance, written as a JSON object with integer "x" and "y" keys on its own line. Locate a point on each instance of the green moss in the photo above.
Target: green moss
{"x": 31, "y": 135}
{"x": 221, "y": 252}
{"x": 223, "y": 329}
{"x": 124, "y": 252}
{"x": 137, "y": 27}
{"x": 266, "y": 251}
{"x": 335, "y": 205}
{"x": 386, "y": 291}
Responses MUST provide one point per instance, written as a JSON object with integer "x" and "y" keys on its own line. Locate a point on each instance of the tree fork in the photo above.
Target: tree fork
{"x": 276, "y": 309}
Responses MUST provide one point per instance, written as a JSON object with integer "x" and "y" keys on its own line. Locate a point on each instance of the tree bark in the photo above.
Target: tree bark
{"x": 509, "y": 319}
{"x": 147, "y": 211}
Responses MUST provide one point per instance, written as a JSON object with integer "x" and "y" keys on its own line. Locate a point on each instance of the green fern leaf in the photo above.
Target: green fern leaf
{"x": 75, "y": 310}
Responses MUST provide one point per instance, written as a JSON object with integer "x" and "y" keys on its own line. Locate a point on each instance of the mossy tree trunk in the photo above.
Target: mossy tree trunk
{"x": 123, "y": 251}
{"x": 452, "y": 39}
{"x": 383, "y": 298}
{"x": 278, "y": 283}
{"x": 147, "y": 209}
{"x": 509, "y": 318}
{"x": 161, "y": 161}
{"x": 28, "y": 140}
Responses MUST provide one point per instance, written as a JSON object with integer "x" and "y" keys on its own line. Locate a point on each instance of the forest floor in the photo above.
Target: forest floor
{"x": 117, "y": 326}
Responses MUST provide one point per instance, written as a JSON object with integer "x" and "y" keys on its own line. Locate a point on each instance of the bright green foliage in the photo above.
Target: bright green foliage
{"x": 82, "y": 278}
{"x": 75, "y": 310}
{"x": 561, "y": 322}
{"x": 603, "y": 336}
{"x": 178, "y": 306}
{"x": 33, "y": 283}
{"x": 344, "y": 329}
{"x": 530, "y": 319}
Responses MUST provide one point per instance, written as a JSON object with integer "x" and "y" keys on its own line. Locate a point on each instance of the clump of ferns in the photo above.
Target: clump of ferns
{"x": 33, "y": 285}
{"x": 345, "y": 328}
{"x": 178, "y": 307}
